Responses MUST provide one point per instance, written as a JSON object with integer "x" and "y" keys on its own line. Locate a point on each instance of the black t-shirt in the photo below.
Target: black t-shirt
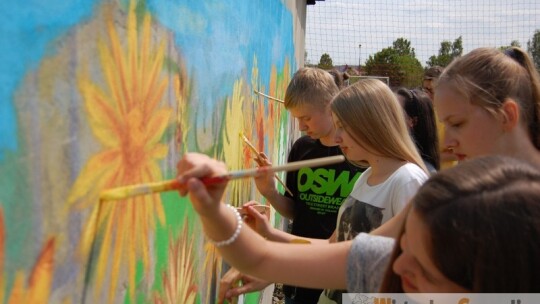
{"x": 317, "y": 193}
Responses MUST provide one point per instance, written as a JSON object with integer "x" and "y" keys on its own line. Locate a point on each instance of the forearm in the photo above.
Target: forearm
{"x": 295, "y": 264}
{"x": 249, "y": 247}
{"x": 277, "y": 235}
{"x": 283, "y": 205}
{"x": 393, "y": 227}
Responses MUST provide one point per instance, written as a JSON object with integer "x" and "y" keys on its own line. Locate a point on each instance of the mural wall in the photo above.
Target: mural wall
{"x": 100, "y": 94}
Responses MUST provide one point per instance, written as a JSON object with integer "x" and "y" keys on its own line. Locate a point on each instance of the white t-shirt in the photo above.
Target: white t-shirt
{"x": 368, "y": 207}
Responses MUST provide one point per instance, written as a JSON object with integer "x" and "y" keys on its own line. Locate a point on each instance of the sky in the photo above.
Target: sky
{"x": 338, "y": 27}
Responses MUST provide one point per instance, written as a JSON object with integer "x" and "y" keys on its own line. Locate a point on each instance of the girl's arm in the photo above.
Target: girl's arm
{"x": 259, "y": 222}
{"x": 313, "y": 266}
{"x": 393, "y": 227}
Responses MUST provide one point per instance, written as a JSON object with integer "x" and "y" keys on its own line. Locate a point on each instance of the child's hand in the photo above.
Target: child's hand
{"x": 257, "y": 218}
{"x": 205, "y": 198}
{"x": 262, "y": 160}
{"x": 265, "y": 183}
{"x": 229, "y": 287}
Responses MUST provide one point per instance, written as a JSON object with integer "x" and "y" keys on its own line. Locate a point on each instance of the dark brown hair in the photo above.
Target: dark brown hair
{"x": 419, "y": 108}
{"x": 339, "y": 78}
{"x": 483, "y": 218}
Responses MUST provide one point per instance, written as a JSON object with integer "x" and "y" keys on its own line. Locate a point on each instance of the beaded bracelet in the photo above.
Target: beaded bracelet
{"x": 236, "y": 232}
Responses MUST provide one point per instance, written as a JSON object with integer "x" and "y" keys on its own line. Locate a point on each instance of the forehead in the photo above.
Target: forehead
{"x": 448, "y": 102}
{"x": 417, "y": 237}
{"x": 306, "y": 110}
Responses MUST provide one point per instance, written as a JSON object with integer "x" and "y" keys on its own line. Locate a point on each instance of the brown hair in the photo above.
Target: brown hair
{"x": 483, "y": 218}
{"x": 339, "y": 78}
{"x": 487, "y": 77}
{"x": 419, "y": 108}
{"x": 433, "y": 72}
{"x": 310, "y": 86}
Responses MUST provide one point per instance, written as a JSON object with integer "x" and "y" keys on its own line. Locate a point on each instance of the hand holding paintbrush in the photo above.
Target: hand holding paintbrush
{"x": 221, "y": 225}
{"x": 208, "y": 177}
{"x": 262, "y": 160}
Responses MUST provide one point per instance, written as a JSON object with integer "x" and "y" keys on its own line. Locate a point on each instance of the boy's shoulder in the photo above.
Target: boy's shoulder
{"x": 306, "y": 147}
{"x": 305, "y": 139}
{"x": 306, "y": 142}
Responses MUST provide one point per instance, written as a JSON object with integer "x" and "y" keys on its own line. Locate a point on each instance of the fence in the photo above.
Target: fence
{"x": 367, "y": 33}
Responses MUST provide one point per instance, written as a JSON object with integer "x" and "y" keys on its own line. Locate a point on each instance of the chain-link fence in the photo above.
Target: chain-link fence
{"x": 368, "y": 32}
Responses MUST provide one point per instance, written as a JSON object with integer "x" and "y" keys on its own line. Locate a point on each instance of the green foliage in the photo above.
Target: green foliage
{"x": 325, "y": 62}
{"x": 513, "y": 43}
{"x": 402, "y": 47}
{"x": 447, "y": 53}
{"x": 398, "y": 63}
{"x": 533, "y": 47}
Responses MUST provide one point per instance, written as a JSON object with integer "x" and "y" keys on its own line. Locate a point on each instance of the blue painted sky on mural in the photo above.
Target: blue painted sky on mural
{"x": 219, "y": 39}
{"x": 26, "y": 28}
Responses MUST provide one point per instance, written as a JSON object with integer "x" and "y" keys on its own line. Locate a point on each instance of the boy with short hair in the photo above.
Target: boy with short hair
{"x": 317, "y": 192}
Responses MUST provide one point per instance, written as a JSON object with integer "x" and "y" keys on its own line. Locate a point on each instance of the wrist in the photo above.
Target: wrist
{"x": 272, "y": 196}
{"x": 223, "y": 229}
{"x": 271, "y": 234}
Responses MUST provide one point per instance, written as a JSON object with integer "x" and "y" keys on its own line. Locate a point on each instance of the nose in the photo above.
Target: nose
{"x": 404, "y": 262}
{"x": 337, "y": 137}
{"x": 449, "y": 142}
{"x": 400, "y": 264}
{"x": 302, "y": 126}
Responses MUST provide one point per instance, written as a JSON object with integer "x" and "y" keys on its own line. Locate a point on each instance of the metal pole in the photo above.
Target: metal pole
{"x": 360, "y": 56}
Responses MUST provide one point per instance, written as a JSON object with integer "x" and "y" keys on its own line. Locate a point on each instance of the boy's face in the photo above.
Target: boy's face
{"x": 314, "y": 121}
{"x": 427, "y": 87}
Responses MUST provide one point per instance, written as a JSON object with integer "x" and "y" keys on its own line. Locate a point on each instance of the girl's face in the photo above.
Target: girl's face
{"x": 470, "y": 130}
{"x": 415, "y": 266}
{"x": 350, "y": 148}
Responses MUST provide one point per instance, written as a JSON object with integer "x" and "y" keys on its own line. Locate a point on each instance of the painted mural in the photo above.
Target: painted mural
{"x": 100, "y": 94}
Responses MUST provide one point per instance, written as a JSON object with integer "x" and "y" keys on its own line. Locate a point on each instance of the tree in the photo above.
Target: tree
{"x": 533, "y": 47}
{"x": 513, "y": 43}
{"x": 403, "y": 47}
{"x": 325, "y": 62}
{"x": 398, "y": 63}
{"x": 447, "y": 53}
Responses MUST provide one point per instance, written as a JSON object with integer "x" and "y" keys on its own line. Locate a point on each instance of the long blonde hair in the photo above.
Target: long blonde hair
{"x": 371, "y": 114}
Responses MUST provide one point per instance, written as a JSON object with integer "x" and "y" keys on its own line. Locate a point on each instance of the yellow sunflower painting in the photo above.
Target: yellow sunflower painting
{"x": 126, "y": 116}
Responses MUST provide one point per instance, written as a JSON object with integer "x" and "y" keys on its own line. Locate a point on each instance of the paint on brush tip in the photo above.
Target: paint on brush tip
{"x": 139, "y": 189}
{"x": 124, "y": 192}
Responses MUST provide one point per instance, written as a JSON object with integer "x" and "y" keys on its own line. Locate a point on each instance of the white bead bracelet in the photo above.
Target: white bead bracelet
{"x": 236, "y": 232}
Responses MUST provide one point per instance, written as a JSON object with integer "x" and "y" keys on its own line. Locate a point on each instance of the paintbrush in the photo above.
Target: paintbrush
{"x": 174, "y": 184}
{"x": 252, "y": 147}
{"x": 262, "y": 209}
{"x": 268, "y": 96}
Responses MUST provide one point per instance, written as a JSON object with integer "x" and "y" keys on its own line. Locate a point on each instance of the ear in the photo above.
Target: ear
{"x": 510, "y": 114}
